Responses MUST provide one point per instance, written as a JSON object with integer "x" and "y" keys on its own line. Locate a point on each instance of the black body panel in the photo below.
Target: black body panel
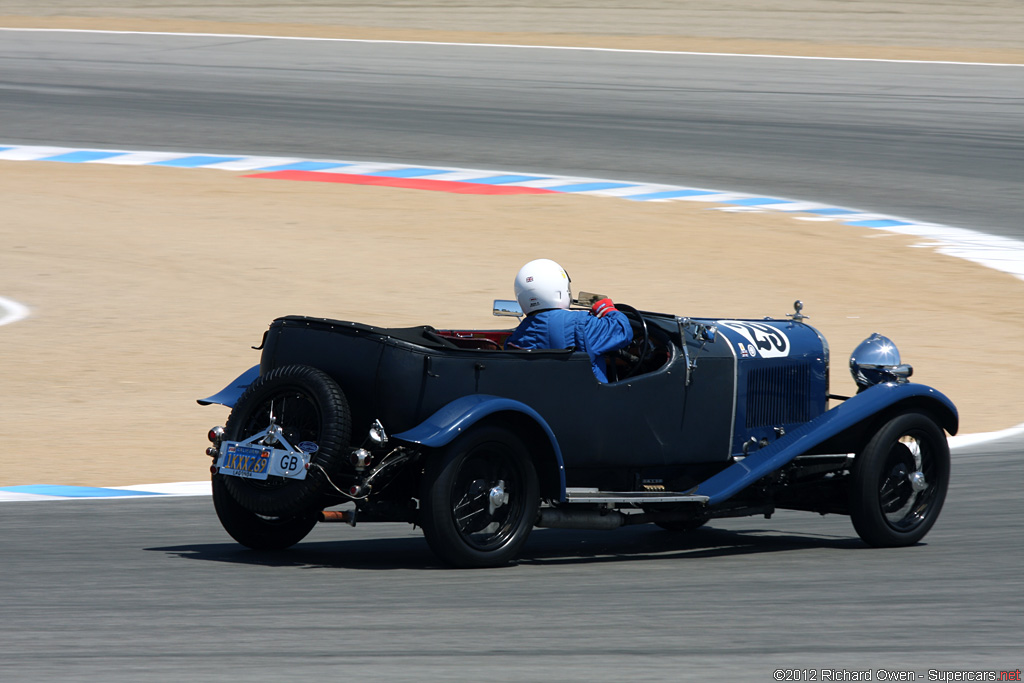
{"x": 402, "y": 376}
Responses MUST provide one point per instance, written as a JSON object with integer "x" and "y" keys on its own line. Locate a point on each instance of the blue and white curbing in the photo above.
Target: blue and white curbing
{"x": 999, "y": 253}
{"x": 37, "y": 492}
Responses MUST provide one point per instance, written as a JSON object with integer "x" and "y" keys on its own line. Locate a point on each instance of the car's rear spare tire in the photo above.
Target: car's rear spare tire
{"x": 309, "y": 407}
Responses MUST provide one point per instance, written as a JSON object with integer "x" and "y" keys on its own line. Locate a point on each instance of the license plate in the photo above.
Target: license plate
{"x": 257, "y": 462}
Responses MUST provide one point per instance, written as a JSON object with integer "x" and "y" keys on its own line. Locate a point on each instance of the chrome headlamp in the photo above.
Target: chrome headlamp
{"x": 876, "y": 360}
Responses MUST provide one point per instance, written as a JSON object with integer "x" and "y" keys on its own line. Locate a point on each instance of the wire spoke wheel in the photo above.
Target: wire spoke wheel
{"x": 904, "y": 497}
{"x": 295, "y": 411}
{"x": 899, "y": 481}
{"x": 310, "y": 410}
{"x": 479, "y": 499}
{"x": 487, "y": 499}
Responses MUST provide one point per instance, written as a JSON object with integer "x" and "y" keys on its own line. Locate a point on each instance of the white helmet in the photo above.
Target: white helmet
{"x": 542, "y": 284}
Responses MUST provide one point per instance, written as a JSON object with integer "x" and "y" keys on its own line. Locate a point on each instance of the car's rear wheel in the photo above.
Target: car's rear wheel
{"x": 257, "y": 531}
{"x": 479, "y": 498}
{"x": 311, "y": 409}
{"x": 899, "y": 481}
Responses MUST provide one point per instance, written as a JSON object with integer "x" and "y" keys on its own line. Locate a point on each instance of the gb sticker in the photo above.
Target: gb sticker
{"x": 765, "y": 341}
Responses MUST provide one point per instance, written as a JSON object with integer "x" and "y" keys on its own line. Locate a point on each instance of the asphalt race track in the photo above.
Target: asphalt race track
{"x": 935, "y": 142}
{"x": 155, "y": 590}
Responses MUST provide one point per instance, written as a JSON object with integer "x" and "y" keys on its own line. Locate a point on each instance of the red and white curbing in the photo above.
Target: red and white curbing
{"x": 992, "y": 251}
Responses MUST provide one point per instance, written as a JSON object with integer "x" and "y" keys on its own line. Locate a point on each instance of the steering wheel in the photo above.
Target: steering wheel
{"x": 641, "y": 336}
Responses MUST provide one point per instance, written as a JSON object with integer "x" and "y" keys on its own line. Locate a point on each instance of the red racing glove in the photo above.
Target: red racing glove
{"x": 600, "y": 308}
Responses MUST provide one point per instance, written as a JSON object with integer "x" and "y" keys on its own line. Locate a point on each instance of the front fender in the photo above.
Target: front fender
{"x": 873, "y": 401}
{"x": 446, "y": 424}
{"x": 229, "y": 395}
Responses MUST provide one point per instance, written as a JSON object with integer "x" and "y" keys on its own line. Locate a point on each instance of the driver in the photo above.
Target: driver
{"x": 542, "y": 290}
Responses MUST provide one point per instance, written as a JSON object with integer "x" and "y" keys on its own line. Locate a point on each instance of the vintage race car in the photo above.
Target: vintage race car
{"x": 701, "y": 419}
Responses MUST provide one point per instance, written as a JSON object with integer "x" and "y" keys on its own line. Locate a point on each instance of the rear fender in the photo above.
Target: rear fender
{"x": 449, "y": 422}
{"x": 229, "y": 395}
{"x": 877, "y": 401}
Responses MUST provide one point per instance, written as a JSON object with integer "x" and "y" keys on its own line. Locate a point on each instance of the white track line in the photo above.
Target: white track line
{"x": 965, "y": 440}
{"x": 251, "y": 36}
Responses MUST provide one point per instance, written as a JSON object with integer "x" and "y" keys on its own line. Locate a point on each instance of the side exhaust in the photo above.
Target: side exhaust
{"x": 554, "y": 518}
{"x": 602, "y": 520}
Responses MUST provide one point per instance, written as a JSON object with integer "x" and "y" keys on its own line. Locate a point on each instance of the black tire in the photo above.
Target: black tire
{"x": 254, "y": 531}
{"x": 309, "y": 406}
{"x": 886, "y": 508}
{"x": 459, "y": 520}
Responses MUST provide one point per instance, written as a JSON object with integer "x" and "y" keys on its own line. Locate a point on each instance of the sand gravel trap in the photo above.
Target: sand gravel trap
{"x": 148, "y": 285}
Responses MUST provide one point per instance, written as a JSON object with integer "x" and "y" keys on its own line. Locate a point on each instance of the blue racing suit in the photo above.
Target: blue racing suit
{"x": 562, "y": 329}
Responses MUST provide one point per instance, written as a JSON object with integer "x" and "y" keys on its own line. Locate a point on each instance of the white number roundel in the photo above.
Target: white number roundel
{"x": 765, "y": 341}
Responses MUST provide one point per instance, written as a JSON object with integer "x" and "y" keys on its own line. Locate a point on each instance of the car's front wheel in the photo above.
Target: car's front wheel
{"x": 899, "y": 481}
{"x": 479, "y": 498}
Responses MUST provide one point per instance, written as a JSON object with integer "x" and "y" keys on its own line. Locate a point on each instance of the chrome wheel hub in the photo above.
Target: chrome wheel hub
{"x": 496, "y": 497}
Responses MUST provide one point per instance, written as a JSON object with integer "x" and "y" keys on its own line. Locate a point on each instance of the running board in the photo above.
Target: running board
{"x": 583, "y": 495}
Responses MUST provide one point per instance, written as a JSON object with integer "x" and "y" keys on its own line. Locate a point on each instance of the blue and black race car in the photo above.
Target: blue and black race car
{"x": 445, "y": 429}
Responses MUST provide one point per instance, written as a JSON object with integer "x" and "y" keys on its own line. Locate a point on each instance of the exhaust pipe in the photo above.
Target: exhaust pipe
{"x": 345, "y": 516}
{"x": 556, "y": 518}
{"x": 581, "y": 519}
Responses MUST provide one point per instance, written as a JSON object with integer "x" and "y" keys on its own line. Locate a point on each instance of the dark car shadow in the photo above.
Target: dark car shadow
{"x": 551, "y": 547}
{"x": 544, "y": 547}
